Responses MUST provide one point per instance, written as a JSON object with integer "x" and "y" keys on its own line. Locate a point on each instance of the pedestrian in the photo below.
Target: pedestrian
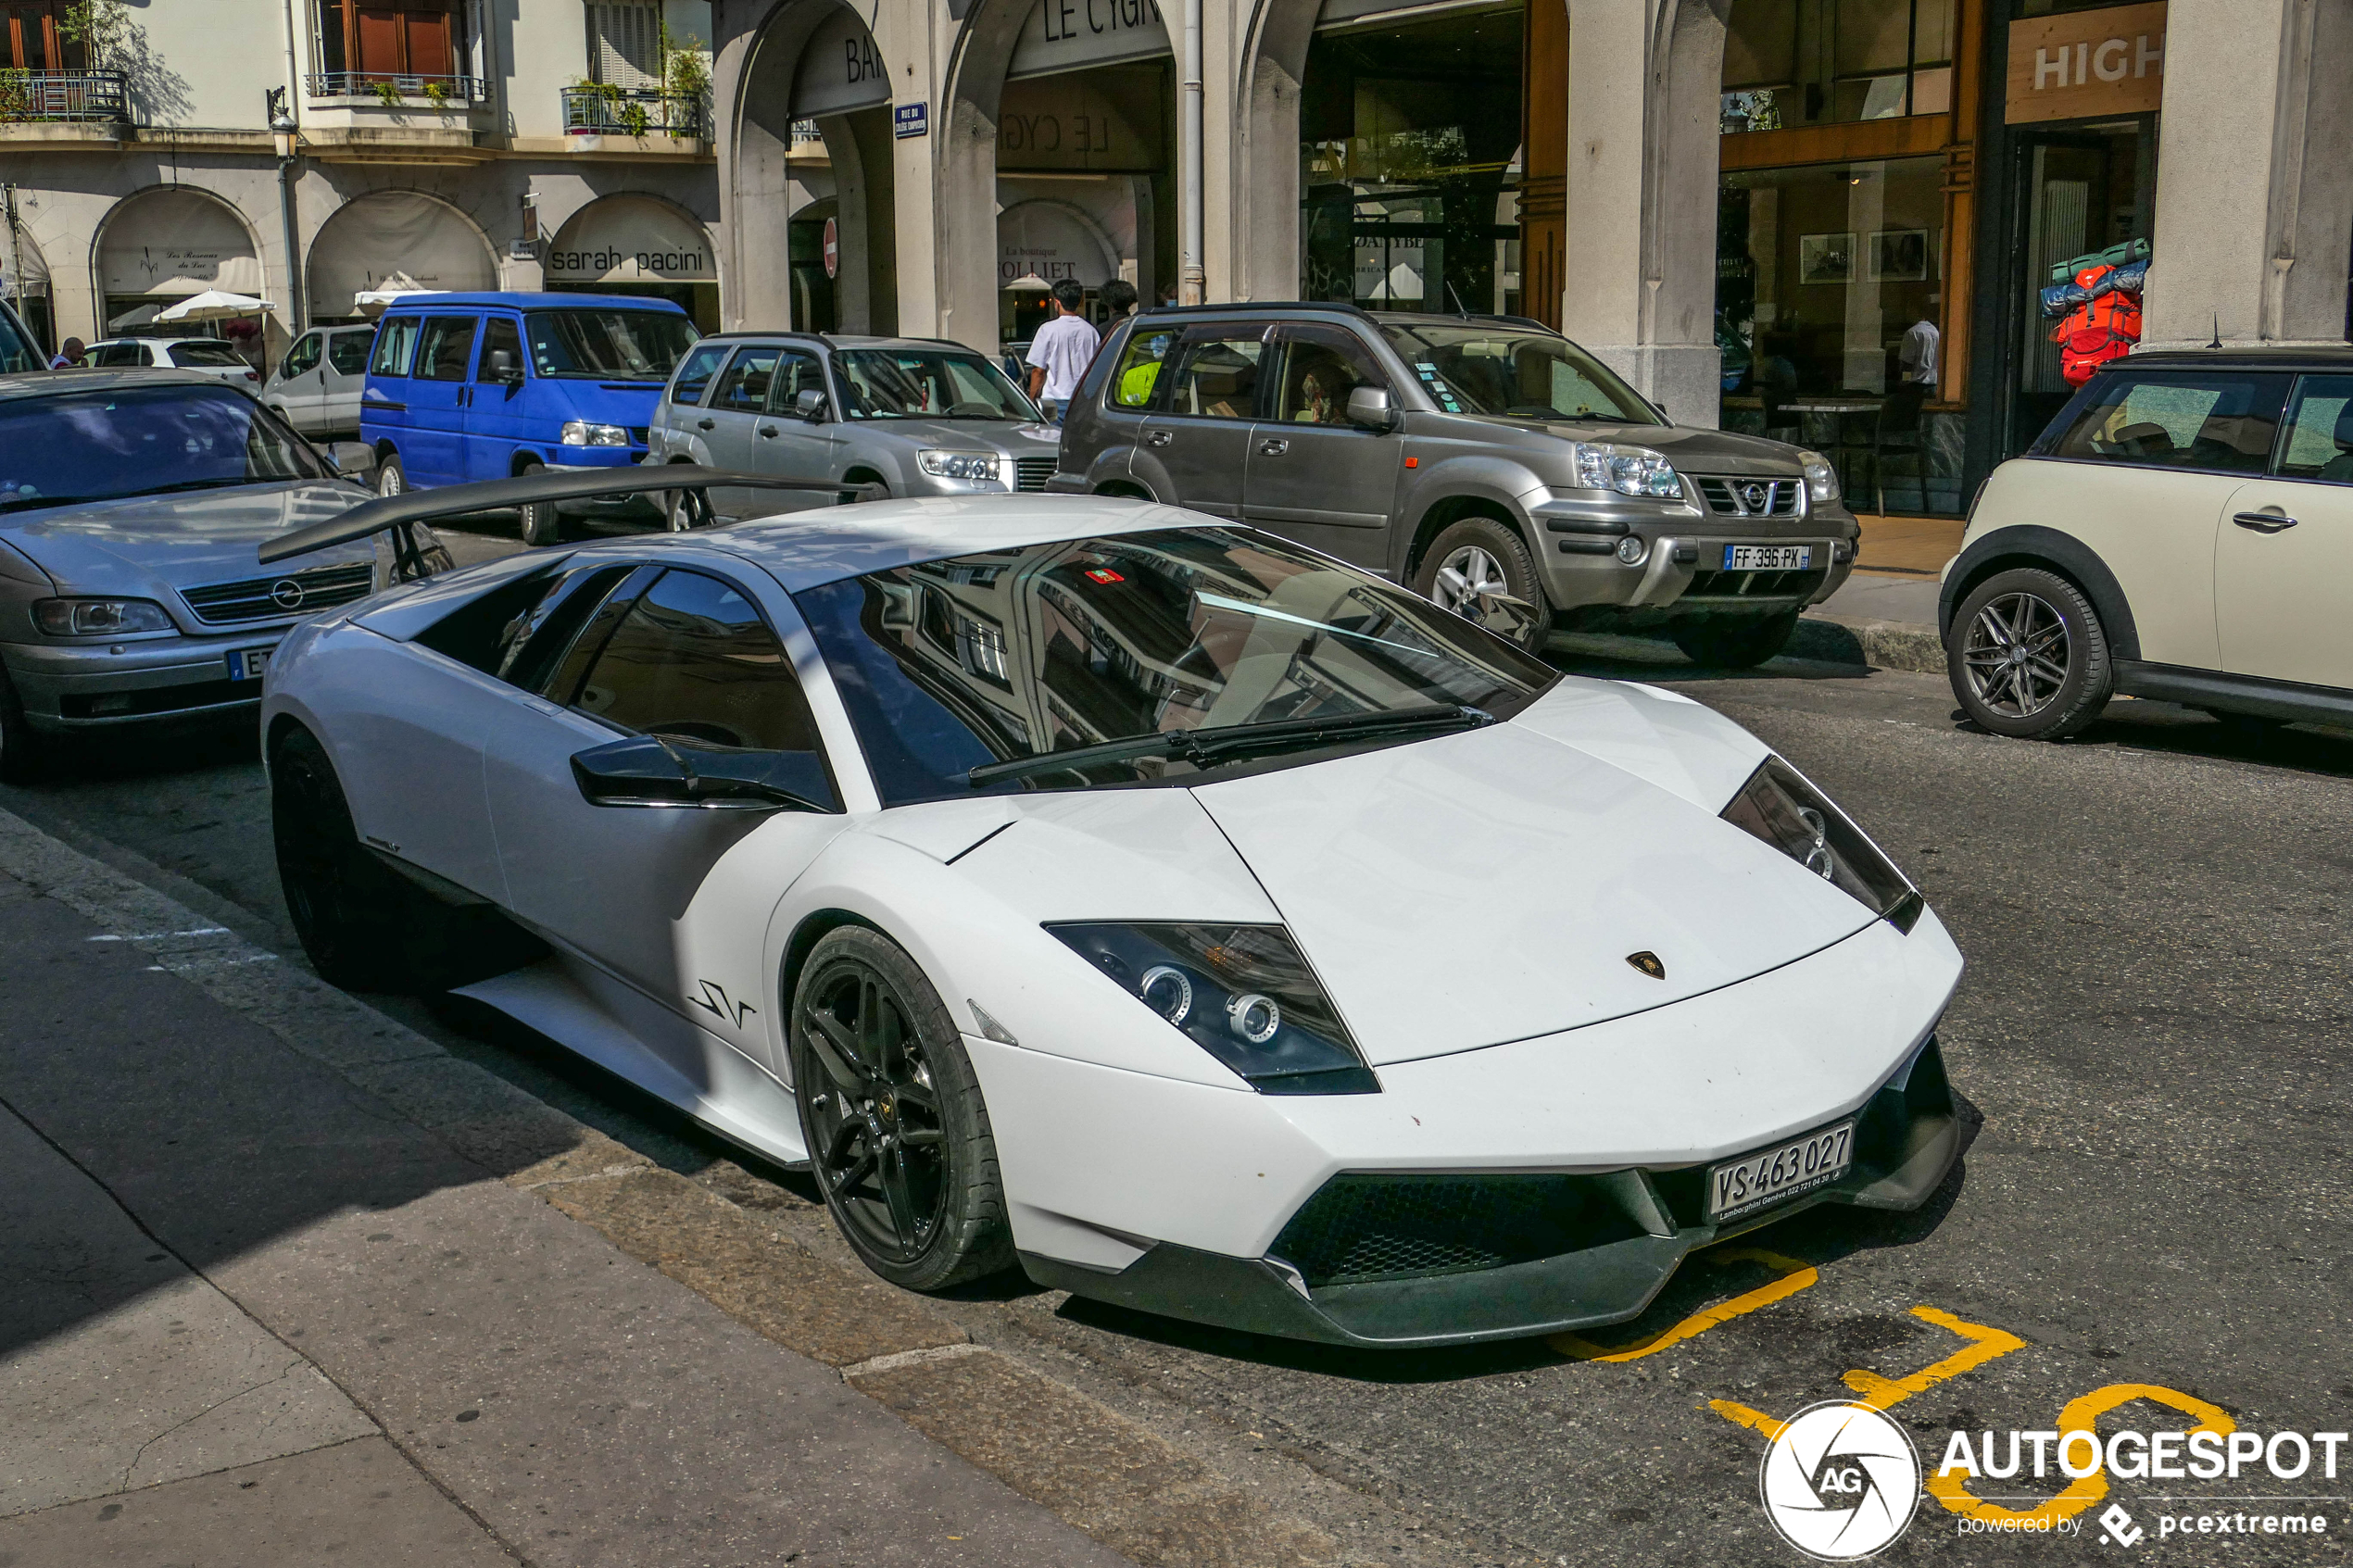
{"x": 1119, "y": 298}
{"x": 70, "y": 355}
{"x": 1061, "y": 352}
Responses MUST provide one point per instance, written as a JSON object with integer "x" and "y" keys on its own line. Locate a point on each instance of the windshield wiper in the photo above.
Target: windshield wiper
{"x": 1202, "y": 747}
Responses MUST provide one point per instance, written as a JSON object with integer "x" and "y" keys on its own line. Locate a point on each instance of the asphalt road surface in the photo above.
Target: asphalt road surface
{"x": 2153, "y": 1217}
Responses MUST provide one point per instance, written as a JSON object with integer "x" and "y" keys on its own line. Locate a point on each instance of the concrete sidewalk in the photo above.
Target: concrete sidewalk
{"x": 252, "y": 1312}
{"x": 1885, "y": 613}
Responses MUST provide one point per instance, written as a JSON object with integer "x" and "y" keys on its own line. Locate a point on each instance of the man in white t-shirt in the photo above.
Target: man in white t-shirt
{"x": 1063, "y": 349}
{"x": 1917, "y": 357}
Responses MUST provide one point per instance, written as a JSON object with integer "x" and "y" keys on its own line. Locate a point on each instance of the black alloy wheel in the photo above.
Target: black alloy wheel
{"x": 2027, "y": 656}
{"x": 898, "y": 1134}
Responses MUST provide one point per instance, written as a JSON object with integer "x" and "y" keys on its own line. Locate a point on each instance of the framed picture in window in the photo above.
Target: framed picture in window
{"x": 1898, "y": 255}
{"x": 1826, "y": 258}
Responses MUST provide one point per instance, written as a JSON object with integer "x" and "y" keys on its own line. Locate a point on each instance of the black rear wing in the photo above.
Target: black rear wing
{"x": 399, "y": 514}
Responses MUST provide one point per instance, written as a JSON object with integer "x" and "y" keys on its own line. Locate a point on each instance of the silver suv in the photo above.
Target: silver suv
{"x": 1490, "y": 463}
{"x": 916, "y": 416}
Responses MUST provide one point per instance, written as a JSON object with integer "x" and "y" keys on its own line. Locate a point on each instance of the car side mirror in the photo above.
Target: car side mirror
{"x": 353, "y": 459}
{"x": 503, "y": 366}
{"x": 1369, "y": 406}
{"x": 656, "y": 771}
{"x": 810, "y": 405}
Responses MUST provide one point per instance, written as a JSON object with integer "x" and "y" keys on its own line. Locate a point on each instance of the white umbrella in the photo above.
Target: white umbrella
{"x": 131, "y": 319}
{"x": 1029, "y": 283}
{"x": 214, "y": 306}
{"x": 396, "y": 285}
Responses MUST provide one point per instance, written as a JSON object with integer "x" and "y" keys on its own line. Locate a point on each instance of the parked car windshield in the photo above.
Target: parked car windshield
{"x": 103, "y": 444}
{"x": 608, "y": 344}
{"x": 1194, "y": 634}
{"x": 207, "y": 354}
{"x": 17, "y": 352}
{"x": 922, "y": 384}
{"x": 1490, "y": 368}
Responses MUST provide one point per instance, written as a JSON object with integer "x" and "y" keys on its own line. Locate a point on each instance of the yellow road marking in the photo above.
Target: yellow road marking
{"x": 1954, "y": 1493}
{"x": 1746, "y": 1417}
{"x": 1986, "y": 1344}
{"x": 1793, "y": 1276}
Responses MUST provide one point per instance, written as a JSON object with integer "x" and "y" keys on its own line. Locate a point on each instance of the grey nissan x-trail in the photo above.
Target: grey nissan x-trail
{"x": 1490, "y": 463}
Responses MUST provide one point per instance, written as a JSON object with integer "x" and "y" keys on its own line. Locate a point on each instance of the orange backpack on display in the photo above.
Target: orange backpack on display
{"x": 2101, "y": 329}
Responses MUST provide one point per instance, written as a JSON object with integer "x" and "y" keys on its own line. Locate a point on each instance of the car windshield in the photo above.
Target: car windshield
{"x": 221, "y": 355}
{"x": 103, "y": 444}
{"x": 1155, "y": 657}
{"x": 608, "y": 344}
{"x": 926, "y": 384}
{"x": 17, "y": 352}
{"x": 1493, "y": 367}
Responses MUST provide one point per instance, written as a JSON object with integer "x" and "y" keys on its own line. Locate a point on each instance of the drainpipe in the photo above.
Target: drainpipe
{"x": 1193, "y": 279}
{"x": 282, "y": 132}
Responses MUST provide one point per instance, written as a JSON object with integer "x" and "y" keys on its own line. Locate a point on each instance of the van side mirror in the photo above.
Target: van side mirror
{"x": 1369, "y": 406}
{"x": 353, "y": 459}
{"x": 655, "y": 771}
{"x": 503, "y": 366}
{"x": 810, "y": 405}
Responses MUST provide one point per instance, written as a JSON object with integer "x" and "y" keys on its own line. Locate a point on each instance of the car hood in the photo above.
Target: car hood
{"x": 1018, "y": 438}
{"x": 1454, "y": 893}
{"x": 1691, "y": 449}
{"x": 136, "y": 545}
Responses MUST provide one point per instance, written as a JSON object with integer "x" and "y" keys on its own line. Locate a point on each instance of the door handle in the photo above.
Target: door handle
{"x": 1157, "y": 438}
{"x": 767, "y": 429}
{"x": 706, "y": 424}
{"x": 1273, "y": 446}
{"x": 2263, "y": 522}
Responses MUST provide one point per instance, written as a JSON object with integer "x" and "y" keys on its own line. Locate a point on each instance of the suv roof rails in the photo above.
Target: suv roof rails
{"x": 1340, "y": 306}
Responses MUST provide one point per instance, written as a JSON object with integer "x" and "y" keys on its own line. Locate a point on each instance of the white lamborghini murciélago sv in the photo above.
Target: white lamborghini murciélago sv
{"x": 1202, "y": 923}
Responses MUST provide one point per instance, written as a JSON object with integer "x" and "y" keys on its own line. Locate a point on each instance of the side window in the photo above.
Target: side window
{"x": 499, "y": 333}
{"x": 2319, "y": 431}
{"x": 796, "y": 372}
{"x": 694, "y": 375}
{"x": 1140, "y": 364}
{"x": 119, "y": 354}
{"x": 744, "y": 388}
{"x": 1216, "y": 374}
{"x": 2219, "y": 422}
{"x": 1321, "y": 367}
{"x": 548, "y": 648}
{"x": 692, "y": 660}
{"x": 303, "y": 357}
{"x": 395, "y": 340}
{"x": 446, "y": 348}
{"x": 347, "y": 353}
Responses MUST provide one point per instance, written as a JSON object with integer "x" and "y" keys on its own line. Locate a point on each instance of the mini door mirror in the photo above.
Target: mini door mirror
{"x": 1369, "y": 406}
{"x": 657, "y": 770}
{"x": 810, "y": 405}
{"x": 353, "y": 459}
{"x": 503, "y": 366}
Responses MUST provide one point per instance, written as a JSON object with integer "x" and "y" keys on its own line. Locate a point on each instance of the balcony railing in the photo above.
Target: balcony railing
{"x": 433, "y": 91}
{"x": 616, "y": 111}
{"x": 90, "y": 96}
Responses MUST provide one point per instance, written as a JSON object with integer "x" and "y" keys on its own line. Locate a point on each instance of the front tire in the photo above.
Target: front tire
{"x": 2028, "y": 658}
{"x": 1479, "y": 568}
{"x": 898, "y": 1133}
{"x": 1735, "y": 642}
{"x": 391, "y": 478}
{"x": 539, "y": 522}
{"x": 365, "y": 926}
{"x": 24, "y": 752}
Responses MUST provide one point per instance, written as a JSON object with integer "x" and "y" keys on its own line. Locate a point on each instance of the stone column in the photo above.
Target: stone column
{"x": 1644, "y": 77}
{"x": 2254, "y": 191}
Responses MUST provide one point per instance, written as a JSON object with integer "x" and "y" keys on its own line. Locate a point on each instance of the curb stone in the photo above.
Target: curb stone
{"x": 1888, "y": 645}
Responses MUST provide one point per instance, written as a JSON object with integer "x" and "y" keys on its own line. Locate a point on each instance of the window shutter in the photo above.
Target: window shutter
{"x": 625, "y": 43}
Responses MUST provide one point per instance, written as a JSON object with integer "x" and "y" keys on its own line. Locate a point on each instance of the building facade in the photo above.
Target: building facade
{"x": 302, "y": 152}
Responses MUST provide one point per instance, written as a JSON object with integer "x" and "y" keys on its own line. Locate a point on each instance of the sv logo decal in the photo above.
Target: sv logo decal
{"x": 714, "y": 1001}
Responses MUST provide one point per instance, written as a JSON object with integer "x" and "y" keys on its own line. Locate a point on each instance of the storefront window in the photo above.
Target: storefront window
{"x": 1792, "y": 63}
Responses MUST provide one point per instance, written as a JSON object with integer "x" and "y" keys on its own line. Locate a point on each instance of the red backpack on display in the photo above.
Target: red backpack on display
{"x": 2101, "y": 329}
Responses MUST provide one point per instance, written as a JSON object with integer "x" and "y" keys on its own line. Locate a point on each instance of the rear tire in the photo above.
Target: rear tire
{"x": 2028, "y": 658}
{"x": 365, "y": 926}
{"x": 898, "y": 1132}
{"x": 539, "y": 522}
{"x": 391, "y": 478}
{"x": 1477, "y": 564}
{"x": 1734, "y": 642}
{"x": 25, "y": 753}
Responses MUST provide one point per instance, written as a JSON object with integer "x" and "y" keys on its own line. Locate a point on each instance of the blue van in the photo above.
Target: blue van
{"x": 474, "y": 386}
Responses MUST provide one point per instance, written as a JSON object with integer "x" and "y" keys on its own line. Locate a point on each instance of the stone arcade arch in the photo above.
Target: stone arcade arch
{"x": 169, "y": 242}
{"x": 371, "y": 237}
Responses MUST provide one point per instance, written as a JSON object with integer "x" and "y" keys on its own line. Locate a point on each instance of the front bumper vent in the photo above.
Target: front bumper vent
{"x": 1360, "y": 1227}
{"x": 1031, "y": 473}
{"x": 271, "y": 599}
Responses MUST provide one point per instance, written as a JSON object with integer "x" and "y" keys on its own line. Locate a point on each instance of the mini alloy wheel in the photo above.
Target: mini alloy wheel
{"x": 898, "y": 1135}
{"x": 2027, "y": 656}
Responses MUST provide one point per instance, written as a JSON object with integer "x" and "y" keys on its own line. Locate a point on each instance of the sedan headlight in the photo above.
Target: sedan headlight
{"x": 1629, "y": 470}
{"x": 1242, "y": 993}
{"x": 580, "y": 433}
{"x": 98, "y": 618}
{"x": 1778, "y": 806}
{"x": 1821, "y": 480}
{"x": 960, "y": 465}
